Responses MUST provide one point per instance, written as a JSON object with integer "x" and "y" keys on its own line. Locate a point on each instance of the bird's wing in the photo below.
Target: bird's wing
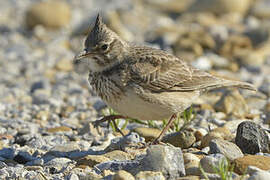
{"x": 159, "y": 71}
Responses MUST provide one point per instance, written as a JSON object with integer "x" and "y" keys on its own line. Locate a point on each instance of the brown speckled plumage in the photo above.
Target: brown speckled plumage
{"x": 143, "y": 82}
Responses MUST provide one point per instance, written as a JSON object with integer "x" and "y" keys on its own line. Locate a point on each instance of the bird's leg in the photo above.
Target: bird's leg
{"x": 109, "y": 119}
{"x": 164, "y": 130}
{"x": 116, "y": 127}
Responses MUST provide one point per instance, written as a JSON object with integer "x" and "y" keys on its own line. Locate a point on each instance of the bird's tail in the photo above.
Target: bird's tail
{"x": 239, "y": 84}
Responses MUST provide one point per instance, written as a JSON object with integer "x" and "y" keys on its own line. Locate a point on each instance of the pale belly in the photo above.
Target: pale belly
{"x": 153, "y": 106}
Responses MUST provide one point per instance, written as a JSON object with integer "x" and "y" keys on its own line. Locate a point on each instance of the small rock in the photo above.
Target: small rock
{"x": 118, "y": 26}
{"x": 183, "y": 139}
{"x": 172, "y": 6}
{"x": 228, "y": 149}
{"x": 200, "y": 133}
{"x": 23, "y": 157}
{"x": 217, "y": 133}
{"x": 7, "y": 153}
{"x": 123, "y": 175}
{"x": 217, "y": 61}
{"x": 261, "y": 9}
{"x": 251, "y": 138}
{"x": 64, "y": 65}
{"x": 118, "y": 155}
{"x": 149, "y": 134}
{"x": 251, "y": 59}
{"x": 189, "y": 178}
{"x": 36, "y": 162}
{"x": 57, "y": 164}
{"x": 256, "y": 102}
{"x": 236, "y": 45}
{"x": 89, "y": 128}
{"x": 49, "y": 14}
{"x": 257, "y": 35}
{"x": 72, "y": 176}
{"x": 241, "y": 164}
{"x": 38, "y": 85}
{"x": 129, "y": 141}
{"x": 43, "y": 115}
{"x": 210, "y": 176}
{"x": 2, "y": 165}
{"x": 233, "y": 103}
{"x": 221, "y": 6}
{"x": 202, "y": 63}
{"x": 129, "y": 166}
{"x": 149, "y": 175}
{"x": 192, "y": 43}
{"x": 92, "y": 160}
{"x": 65, "y": 150}
{"x": 212, "y": 160}
{"x": 166, "y": 159}
{"x": 252, "y": 169}
{"x": 59, "y": 129}
{"x": 261, "y": 175}
{"x": 192, "y": 163}
{"x": 33, "y": 168}
{"x": 232, "y": 125}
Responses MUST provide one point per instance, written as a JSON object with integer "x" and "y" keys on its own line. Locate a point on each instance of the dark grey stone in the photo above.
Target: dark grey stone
{"x": 251, "y": 138}
{"x": 23, "y": 157}
{"x": 7, "y": 153}
{"x": 42, "y": 84}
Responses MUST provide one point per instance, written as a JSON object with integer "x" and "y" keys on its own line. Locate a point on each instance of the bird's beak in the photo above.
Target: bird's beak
{"x": 82, "y": 55}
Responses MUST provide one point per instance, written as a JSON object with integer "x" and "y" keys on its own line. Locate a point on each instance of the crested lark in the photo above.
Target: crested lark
{"x": 142, "y": 82}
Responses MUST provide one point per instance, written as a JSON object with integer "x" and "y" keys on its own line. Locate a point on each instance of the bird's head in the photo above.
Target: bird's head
{"x": 103, "y": 48}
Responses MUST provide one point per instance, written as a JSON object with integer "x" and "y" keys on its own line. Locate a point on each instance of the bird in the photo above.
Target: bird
{"x": 142, "y": 82}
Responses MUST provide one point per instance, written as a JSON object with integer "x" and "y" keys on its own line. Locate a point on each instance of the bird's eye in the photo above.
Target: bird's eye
{"x": 104, "y": 47}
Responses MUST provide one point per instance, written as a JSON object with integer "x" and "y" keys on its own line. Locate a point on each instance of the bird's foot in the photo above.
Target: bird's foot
{"x": 156, "y": 142}
{"x": 110, "y": 118}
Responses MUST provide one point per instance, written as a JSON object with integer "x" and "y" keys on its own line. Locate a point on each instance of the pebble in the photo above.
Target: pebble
{"x": 7, "y": 153}
{"x": 149, "y": 134}
{"x": 251, "y": 138}
{"x": 261, "y": 9}
{"x": 49, "y": 14}
{"x": 128, "y": 141}
{"x": 221, "y": 6}
{"x": 228, "y": 149}
{"x": 217, "y": 133}
{"x": 192, "y": 163}
{"x": 92, "y": 160}
{"x": 64, "y": 65}
{"x": 183, "y": 139}
{"x": 232, "y": 103}
{"x": 150, "y": 175}
{"x": 170, "y": 161}
{"x": 261, "y": 175}
{"x": 189, "y": 178}
{"x": 212, "y": 160}
{"x": 72, "y": 177}
{"x": 261, "y": 162}
{"x": 123, "y": 175}
{"x": 59, "y": 129}
{"x": 118, "y": 155}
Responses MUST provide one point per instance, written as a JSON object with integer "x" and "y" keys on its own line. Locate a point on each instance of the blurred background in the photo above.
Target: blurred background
{"x": 41, "y": 94}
